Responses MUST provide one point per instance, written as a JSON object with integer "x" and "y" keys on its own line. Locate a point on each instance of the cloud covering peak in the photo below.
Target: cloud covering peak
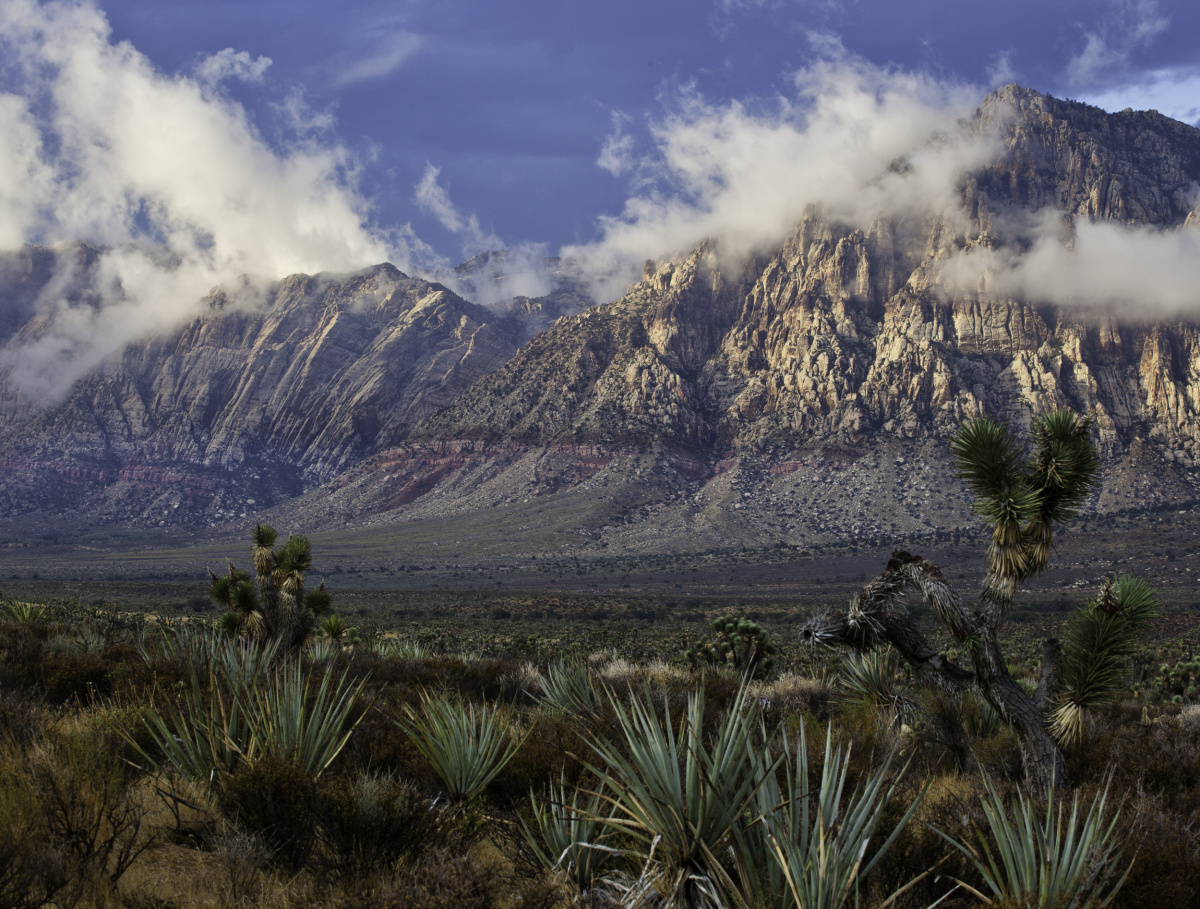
{"x": 98, "y": 145}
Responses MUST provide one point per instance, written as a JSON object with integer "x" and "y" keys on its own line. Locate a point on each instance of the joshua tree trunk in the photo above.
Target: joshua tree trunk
{"x": 878, "y": 615}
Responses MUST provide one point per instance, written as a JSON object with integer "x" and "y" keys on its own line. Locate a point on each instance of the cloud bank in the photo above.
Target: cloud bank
{"x": 857, "y": 139}
{"x": 1138, "y": 273}
{"x": 862, "y": 143}
{"x": 167, "y": 173}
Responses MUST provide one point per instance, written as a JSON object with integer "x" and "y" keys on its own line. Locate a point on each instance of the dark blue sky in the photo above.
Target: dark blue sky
{"x": 513, "y": 102}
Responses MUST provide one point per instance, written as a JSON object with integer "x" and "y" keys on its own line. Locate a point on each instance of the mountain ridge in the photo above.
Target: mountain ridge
{"x": 715, "y": 400}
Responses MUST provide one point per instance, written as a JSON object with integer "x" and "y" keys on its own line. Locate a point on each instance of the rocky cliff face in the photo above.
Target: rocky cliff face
{"x": 251, "y": 404}
{"x": 842, "y": 335}
{"x": 806, "y": 394}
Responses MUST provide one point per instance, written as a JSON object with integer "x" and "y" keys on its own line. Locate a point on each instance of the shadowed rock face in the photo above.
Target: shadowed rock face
{"x": 282, "y": 395}
{"x": 744, "y": 381}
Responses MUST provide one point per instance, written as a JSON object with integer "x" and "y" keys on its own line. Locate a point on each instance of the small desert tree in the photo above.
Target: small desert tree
{"x": 273, "y": 604}
{"x": 1022, "y": 491}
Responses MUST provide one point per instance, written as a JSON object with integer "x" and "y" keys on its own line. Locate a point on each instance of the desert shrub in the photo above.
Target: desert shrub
{"x": 242, "y": 857}
{"x": 26, "y": 868}
{"x": 368, "y": 822}
{"x": 274, "y": 798}
{"x": 791, "y": 695}
{"x": 447, "y": 879}
{"x": 551, "y": 750}
{"x": 87, "y": 829}
{"x": 1165, "y": 845}
{"x": 72, "y": 677}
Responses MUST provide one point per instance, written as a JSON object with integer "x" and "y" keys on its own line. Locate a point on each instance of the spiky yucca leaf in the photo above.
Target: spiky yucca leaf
{"x": 870, "y": 678}
{"x": 990, "y": 461}
{"x": 1041, "y": 862}
{"x": 1064, "y": 464}
{"x": 1099, "y": 640}
{"x": 285, "y": 722}
{"x": 1021, "y": 498}
{"x": 567, "y": 687}
{"x": 235, "y": 711}
{"x": 680, "y": 796}
{"x": 467, "y": 745}
{"x": 807, "y": 844}
{"x": 27, "y": 613}
{"x": 569, "y": 836}
{"x": 202, "y": 737}
{"x": 399, "y": 649}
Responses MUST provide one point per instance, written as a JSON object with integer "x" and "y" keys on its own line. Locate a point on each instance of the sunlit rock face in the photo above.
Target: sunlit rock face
{"x": 722, "y": 386}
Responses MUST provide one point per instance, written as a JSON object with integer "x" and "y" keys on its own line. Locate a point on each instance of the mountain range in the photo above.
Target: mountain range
{"x": 803, "y": 394}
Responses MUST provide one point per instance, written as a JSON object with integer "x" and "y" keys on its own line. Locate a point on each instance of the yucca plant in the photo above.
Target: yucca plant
{"x": 1098, "y": 643}
{"x": 737, "y": 643}
{"x": 569, "y": 837}
{"x": 1040, "y": 862}
{"x": 27, "y": 613}
{"x": 273, "y": 603}
{"x": 285, "y": 722}
{"x": 567, "y": 686}
{"x": 870, "y": 678}
{"x": 200, "y": 738}
{"x": 399, "y": 649}
{"x": 221, "y": 725}
{"x": 467, "y": 745}
{"x": 678, "y": 797}
{"x": 807, "y": 841}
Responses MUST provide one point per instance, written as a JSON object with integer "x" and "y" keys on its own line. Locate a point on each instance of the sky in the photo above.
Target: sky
{"x": 511, "y": 104}
{"x": 266, "y": 137}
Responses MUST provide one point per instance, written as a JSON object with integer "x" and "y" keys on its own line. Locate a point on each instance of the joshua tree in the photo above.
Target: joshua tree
{"x": 739, "y": 643}
{"x": 1022, "y": 492}
{"x": 272, "y": 605}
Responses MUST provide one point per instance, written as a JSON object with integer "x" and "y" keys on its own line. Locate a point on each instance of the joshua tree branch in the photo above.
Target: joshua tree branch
{"x": 877, "y": 615}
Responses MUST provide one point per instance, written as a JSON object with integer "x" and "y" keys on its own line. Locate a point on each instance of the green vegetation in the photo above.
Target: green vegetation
{"x": 273, "y": 605}
{"x": 1022, "y": 489}
{"x": 738, "y": 643}
{"x": 148, "y": 762}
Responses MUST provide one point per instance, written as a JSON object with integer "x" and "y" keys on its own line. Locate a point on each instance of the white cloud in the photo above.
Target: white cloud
{"x": 616, "y": 155}
{"x": 97, "y": 145}
{"x": 1000, "y": 70}
{"x": 1138, "y": 273}
{"x": 433, "y": 199}
{"x": 231, "y": 64}
{"x": 857, "y": 139}
{"x": 389, "y": 55}
{"x": 1173, "y": 91}
{"x": 1130, "y": 25}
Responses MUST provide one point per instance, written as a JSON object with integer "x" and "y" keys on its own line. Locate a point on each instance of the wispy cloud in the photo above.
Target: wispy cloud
{"x": 388, "y": 55}
{"x": 232, "y": 64}
{"x": 1104, "y": 58}
{"x": 434, "y": 199}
